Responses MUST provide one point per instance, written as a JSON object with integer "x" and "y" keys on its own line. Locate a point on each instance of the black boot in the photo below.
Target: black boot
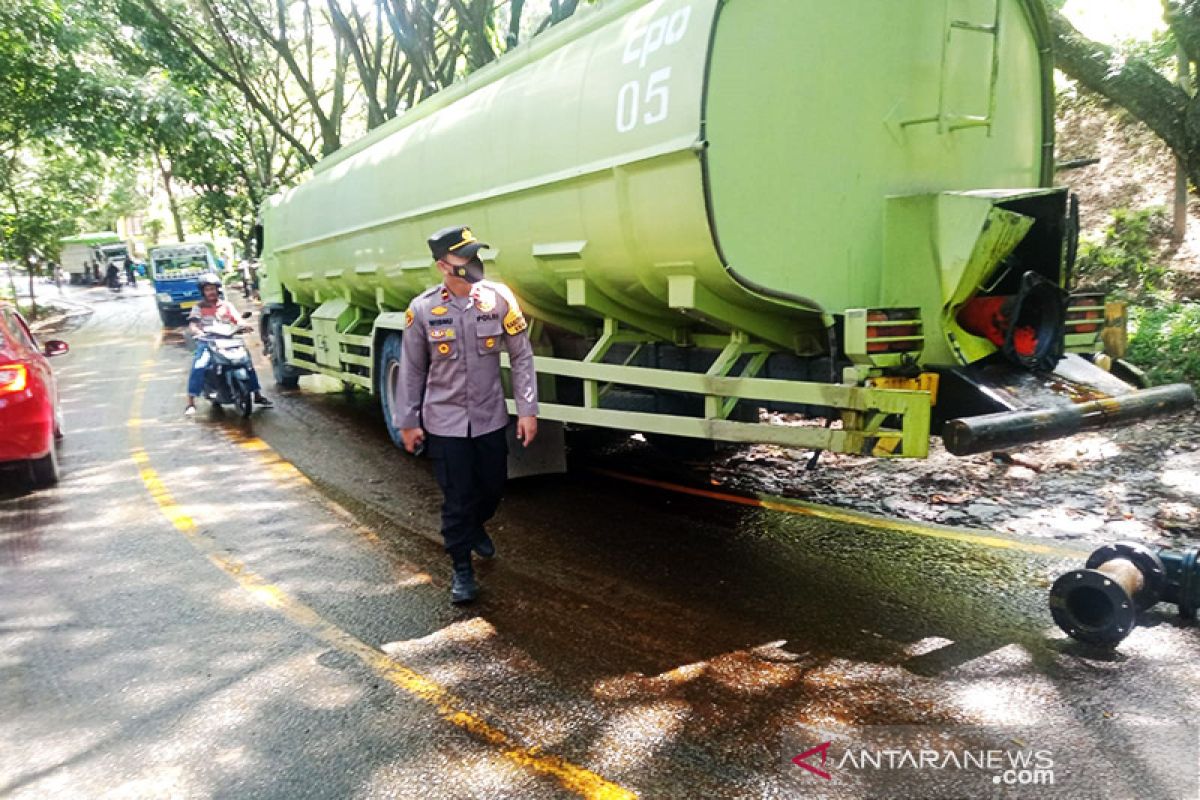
{"x": 485, "y": 547}
{"x": 463, "y": 588}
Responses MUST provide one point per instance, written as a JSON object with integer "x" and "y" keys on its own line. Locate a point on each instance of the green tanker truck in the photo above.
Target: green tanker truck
{"x": 711, "y": 207}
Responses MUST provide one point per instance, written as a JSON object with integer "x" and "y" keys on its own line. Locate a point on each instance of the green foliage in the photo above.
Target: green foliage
{"x": 1160, "y": 52}
{"x": 154, "y": 229}
{"x": 120, "y": 197}
{"x": 1126, "y": 262}
{"x": 52, "y": 188}
{"x": 1164, "y": 341}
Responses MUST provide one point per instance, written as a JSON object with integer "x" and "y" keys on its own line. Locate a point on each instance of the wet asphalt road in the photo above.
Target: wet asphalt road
{"x": 226, "y": 608}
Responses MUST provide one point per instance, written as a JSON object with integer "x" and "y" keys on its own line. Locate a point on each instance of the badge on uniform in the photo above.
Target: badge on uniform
{"x": 514, "y": 322}
{"x": 442, "y": 333}
{"x": 408, "y": 318}
{"x": 444, "y": 349}
{"x": 485, "y": 298}
{"x": 438, "y": 311}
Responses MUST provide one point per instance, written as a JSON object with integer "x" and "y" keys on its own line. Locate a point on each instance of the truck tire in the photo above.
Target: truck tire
{"x": 389, "y": 367}
{"x": 285, "y": 375}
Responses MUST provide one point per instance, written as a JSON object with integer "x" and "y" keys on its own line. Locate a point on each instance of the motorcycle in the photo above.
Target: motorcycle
{"x": 227, "y": 373}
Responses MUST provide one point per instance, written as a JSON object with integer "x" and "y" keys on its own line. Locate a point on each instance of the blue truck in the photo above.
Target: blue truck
{"x": 174, "y": 269}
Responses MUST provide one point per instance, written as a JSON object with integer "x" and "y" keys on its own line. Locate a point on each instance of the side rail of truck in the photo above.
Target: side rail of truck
{"x": 716, "y": 387}
{"x": 716, "y": 397}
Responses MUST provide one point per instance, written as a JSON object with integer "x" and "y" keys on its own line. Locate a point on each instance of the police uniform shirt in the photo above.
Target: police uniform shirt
{"x": 449, "y": 377}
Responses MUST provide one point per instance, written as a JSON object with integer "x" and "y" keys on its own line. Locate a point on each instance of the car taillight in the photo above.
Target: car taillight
{"x": 13, "y": 378}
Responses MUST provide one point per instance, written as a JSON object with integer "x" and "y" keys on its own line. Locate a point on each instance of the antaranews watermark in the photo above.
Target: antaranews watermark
{"x": 1107, "y": 760}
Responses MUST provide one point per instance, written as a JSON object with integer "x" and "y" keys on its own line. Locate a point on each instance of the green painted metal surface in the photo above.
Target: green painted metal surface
{"x": 836, "y": 108}
{"x": 949, "y": 244}
{"x": 685, "y": 167}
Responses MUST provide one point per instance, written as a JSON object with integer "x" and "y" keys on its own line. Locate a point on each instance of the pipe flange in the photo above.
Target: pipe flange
{"x": 1154, "y": 574}
{"x": 1092, "y": 608}
{"x": 1189, "y": 584}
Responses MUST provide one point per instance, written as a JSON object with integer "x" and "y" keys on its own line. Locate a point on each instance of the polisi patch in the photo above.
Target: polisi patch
{"x": 514, "y": 322}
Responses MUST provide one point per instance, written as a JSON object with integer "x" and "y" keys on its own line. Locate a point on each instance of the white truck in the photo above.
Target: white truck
{"x": 79, "y": 252}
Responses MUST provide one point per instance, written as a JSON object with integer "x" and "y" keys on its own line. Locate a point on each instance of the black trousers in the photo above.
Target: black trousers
{"x": 472, "y": 472}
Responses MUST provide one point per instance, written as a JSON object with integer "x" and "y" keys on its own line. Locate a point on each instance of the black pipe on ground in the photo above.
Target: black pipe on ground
{"x": 1099, "y": 604}
{"x": 988, "y": 432}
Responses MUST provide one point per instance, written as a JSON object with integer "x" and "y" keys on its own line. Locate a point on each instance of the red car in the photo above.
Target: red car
{"x": 29, "y": 417}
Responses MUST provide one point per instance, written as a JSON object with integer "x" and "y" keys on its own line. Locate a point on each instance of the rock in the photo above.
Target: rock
{"x": 1183, "y": 517}
{"x": 984, "y": 510}
{"x": 1017, "y": 473}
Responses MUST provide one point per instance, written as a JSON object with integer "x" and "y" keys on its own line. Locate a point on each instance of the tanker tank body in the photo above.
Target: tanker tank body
{"x": 711, "y": 206}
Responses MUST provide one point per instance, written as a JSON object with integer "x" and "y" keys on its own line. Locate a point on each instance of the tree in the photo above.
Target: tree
{"x": 1139, "y": 82}
{"x": 43, "y": 197}
{"x": 45, "y": 182}
{"x": 226, "y": 100}
{"x": 320, "y": 74}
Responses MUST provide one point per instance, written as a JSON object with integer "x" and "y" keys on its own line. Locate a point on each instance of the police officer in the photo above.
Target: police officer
{"x": 449, "y": 395}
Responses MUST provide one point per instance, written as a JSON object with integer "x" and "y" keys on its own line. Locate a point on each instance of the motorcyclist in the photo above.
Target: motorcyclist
{"x": 212, "y": 309}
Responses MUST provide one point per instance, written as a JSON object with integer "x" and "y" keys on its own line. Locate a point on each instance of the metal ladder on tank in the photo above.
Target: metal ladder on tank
{"x": 947, "y": 121}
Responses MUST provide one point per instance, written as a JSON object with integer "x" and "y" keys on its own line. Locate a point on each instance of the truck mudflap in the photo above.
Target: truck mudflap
{"x": 1076, "y": 397}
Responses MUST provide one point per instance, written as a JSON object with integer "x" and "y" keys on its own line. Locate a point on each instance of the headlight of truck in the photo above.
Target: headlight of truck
{"x": 163, "y": 297}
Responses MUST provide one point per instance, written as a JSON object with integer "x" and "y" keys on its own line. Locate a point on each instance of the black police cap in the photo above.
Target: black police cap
{"x": 457, "y": 240}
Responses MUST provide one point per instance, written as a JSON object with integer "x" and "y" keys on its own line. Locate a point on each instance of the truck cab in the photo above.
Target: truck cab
{"x": 174, "y": 269}
{"x": 113, "y": 254}
{"x": 79, "y": 253}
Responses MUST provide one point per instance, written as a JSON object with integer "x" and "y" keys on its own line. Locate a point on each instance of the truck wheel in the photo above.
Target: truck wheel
{"x": 44, "y": 470}
{"x": 285, "y": 376}
{"x": 389, "y": 369}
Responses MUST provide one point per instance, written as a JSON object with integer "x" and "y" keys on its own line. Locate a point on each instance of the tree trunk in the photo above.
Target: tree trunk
{"x": 1179, "y": 232}
{"x": 172, "y": 203}
{"x": 1132, "y": 83}
{"x": 32, "y": 294}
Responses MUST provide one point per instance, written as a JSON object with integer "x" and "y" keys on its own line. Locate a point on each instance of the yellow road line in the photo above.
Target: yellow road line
{"x": 452, "y": 709}
{"x": 858, "y": 518}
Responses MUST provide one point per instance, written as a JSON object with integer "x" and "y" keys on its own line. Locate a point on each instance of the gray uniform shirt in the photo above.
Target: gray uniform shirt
{"x": 449, "y": 377}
